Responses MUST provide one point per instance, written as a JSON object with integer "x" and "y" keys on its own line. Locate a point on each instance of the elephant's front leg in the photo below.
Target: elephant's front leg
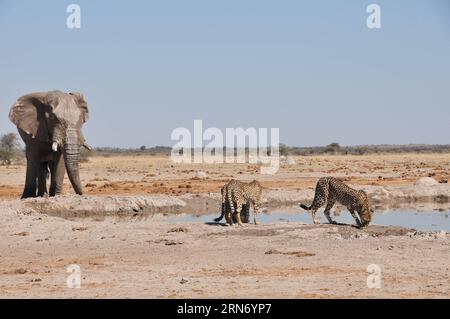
{"x": 57, "y": 171}
{"x": 30, "y": 178}
{"x": 42, "y": 179}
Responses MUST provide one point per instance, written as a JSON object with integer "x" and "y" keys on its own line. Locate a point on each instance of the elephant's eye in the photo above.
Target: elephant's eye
{"x": 49, "y": 116}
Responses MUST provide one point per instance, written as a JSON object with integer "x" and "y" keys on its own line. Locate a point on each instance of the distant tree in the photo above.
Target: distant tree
{"x": 333, "y": 148}
{"x": 9, "y": 141}
{"x": 143, "y": 148}
{"x": 284, "y": 149}
{"x": 9, "y": 144}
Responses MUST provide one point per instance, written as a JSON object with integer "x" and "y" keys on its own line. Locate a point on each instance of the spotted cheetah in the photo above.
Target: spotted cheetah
{"x": 227, "y": 211}
{"x": 242, "y": 193}
{"x": 330, "y": 190}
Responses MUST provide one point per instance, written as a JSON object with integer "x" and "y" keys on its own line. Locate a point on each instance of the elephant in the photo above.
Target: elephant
{"x": 50, "y": 124}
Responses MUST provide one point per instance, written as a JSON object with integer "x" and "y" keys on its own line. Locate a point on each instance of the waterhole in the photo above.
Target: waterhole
{"x": 426, "y": 221}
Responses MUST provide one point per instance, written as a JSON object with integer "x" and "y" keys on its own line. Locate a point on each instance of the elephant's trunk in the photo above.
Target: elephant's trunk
{"x": 71, "y": 153}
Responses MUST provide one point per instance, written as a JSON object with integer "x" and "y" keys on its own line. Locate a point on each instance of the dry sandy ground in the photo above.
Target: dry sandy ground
{"x": 152, "y": 258}
{"x": 144, "y": 256}
{"x": 125, "y": 175}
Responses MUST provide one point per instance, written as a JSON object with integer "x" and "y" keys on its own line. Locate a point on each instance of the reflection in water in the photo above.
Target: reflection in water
{"x": 427, "y": 221}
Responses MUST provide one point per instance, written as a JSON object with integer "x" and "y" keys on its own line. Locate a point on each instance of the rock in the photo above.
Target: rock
{"x": 178, "y": 230}
{"x": 173, "y": 243}
{"x": 290, "y": 161}
{"x": 24, "y": 233}
{"x": 427, "y": 181}
{"x": 20, "y": 271}
{"x": 290, "y": 253}
{"x": 201, "y": 175}
{"x": 430, "y": 235}
{"x": 272, "y": 251}
{"x": 440, "y": 235}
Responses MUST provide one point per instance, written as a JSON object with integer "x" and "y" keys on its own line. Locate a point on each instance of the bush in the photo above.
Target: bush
{"x": 84, "y": 155}
{"x": 333, "y": 148}
{"x": 6, "y": 157}
{"x": 9, "y": 148}
{"x": 284, "y": 149}
{"x": 9, "y": 141}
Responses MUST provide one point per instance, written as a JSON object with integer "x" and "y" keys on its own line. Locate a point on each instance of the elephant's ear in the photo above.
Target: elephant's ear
{"x": 53, "y": 99}
{"x": 82, "y": 104}
{"x": 25, "y": 113}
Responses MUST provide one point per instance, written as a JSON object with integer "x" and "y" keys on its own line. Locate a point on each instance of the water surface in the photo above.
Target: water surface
{"x": 426, "y": 221}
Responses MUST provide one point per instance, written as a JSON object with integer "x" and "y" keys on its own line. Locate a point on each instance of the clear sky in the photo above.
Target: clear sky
{"x": 311, "y": 68}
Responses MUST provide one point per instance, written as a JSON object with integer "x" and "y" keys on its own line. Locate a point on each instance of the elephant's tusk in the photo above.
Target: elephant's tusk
{"x": 87, "y": 146}
{"x": 54, "y": 146}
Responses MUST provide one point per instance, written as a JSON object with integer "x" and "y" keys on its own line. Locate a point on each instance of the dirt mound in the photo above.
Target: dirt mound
{"x": 81, "y": 206}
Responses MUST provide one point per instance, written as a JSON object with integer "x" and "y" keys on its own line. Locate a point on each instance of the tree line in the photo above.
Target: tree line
{"x": 11, "y": 150}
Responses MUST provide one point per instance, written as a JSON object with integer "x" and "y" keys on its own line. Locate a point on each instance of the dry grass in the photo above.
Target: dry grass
{"x": 148, "y": 174}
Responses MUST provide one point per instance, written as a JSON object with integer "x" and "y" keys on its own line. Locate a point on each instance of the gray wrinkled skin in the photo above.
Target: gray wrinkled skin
{"x": 50, "y": 126}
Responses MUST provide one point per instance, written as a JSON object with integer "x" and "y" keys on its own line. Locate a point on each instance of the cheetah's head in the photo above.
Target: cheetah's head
{"x": 366, "y": 213}
{"x": 366, "y": 216}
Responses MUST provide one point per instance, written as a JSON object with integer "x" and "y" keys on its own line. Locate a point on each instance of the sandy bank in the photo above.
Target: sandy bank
{"x": 425, "y": 194}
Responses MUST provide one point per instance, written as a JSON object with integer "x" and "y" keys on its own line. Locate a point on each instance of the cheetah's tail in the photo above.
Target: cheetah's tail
{"x": 218, "y": 219}
{"x": 304, "y": 206}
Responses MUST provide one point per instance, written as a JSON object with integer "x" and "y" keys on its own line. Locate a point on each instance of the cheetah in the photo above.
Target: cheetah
{"x": 227, "y": 210}
{"x": 330, "y": 190}
{"x": 242, "y": 193}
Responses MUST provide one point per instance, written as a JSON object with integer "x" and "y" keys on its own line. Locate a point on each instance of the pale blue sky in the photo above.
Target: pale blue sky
{"x": 311, "y": 68}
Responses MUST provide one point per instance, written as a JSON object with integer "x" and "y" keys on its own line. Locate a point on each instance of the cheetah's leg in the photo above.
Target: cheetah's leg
{"x": 238, "y": 213}
{"x": 231, "y": 206}
{"x": 358, "y": 222}
{"x": 313, "y": 215}
{"x": 228, "y": 216}
{"x": 228, "y": 213}
{"x": 233, "y": 213}
{"x": 316, "y": 205}
{"x": 320, "y": 198}
{"x": 330, "y": 204}
{"x": 246, "y": 213}
{"x": 255, "y": 212}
